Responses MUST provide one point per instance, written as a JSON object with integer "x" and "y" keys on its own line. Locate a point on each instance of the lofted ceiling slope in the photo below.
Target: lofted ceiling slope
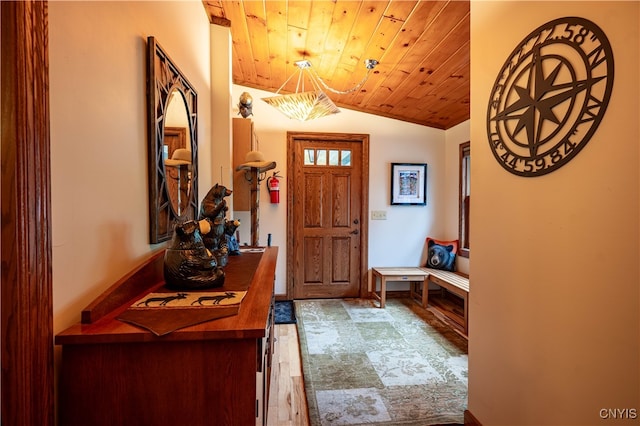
{"x": 422, "y": 48}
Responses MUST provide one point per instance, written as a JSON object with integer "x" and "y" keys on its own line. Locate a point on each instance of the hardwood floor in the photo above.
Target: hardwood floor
{"x": 287, "y": 399}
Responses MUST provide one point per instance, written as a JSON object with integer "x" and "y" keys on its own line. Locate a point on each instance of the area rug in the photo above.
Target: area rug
{"x": 394, "y": 366}
{"x": 285, "y": 312}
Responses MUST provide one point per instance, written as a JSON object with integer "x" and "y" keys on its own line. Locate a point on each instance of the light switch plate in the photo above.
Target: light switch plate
{"x": 378, "y": 215}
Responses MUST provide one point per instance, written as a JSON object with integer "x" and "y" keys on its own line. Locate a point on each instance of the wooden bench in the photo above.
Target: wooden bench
{"x": 451, "y": 282}
{"x": 384, "y": 274}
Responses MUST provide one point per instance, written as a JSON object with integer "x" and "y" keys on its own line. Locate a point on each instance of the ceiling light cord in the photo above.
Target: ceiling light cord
{"x": 300, "y": 83}
{"x": 316, "y": 80}
{"x": 287, "y": 80}
{"x": 341, "y": 92}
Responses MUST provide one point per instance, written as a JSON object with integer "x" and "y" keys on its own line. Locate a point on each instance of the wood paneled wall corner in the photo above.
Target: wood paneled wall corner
{"x": 26, "y": 286}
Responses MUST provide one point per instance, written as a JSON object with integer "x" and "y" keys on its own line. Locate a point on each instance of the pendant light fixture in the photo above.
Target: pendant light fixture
{"x": 308, "y": 105}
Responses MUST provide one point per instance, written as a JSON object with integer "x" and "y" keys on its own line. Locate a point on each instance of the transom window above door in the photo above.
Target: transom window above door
{"x": 327, "y": 157}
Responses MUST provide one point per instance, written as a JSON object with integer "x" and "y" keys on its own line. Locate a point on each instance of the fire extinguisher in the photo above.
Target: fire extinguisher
{"x": 273, "y": 184}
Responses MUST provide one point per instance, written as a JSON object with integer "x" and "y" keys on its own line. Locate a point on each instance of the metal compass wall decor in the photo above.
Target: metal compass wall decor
{"x": 550, "y": 96}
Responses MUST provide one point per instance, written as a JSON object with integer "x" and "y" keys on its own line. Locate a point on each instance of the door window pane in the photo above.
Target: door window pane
{"x": 322, "y": 157}
{"x": 333, "y": 157}
{"x": 345, "y": 158}
{"x": 309, "y": 157}
{"x": 327, "y": 157}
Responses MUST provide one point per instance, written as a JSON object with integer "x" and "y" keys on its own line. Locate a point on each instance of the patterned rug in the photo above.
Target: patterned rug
{"x": 394, "y": 366}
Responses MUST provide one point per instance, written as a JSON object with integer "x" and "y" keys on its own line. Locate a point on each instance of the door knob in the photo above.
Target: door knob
{"x": 355, "y": 232}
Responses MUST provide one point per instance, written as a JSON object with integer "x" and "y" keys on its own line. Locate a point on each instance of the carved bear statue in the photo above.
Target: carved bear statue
{"x": 229, "y": 230}
{"x": 214, "y": 209}
{"x": 188, "y": 265}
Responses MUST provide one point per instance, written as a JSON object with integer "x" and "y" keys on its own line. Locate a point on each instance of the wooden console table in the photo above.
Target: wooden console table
{"x": 214, "y": 373}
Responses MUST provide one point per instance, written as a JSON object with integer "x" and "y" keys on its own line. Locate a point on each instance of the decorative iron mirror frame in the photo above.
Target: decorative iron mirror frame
{"x": 163, "y": 77}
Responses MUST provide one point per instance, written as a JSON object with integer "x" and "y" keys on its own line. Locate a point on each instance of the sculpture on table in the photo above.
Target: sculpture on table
{"x": 187, "y": 262}
{"x": 245, "y": 106}
{"x": 230, "y": 228}
{"x": 214, "y": 210}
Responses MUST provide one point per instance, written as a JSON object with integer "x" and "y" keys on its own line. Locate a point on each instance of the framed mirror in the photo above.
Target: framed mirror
{"x": 173, "y": 144}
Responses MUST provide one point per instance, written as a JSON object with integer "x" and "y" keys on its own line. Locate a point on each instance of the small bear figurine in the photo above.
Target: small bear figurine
{"x": 188, "y": 265}
{"x": 214, "y": 209}
{"x": 229, "y": 230}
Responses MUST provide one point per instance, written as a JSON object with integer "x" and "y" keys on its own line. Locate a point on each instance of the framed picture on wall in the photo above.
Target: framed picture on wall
{"x": 408, "y": 184}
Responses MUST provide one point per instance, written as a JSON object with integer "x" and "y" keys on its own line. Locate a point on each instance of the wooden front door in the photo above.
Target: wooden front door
{"x": 327, "y": 210}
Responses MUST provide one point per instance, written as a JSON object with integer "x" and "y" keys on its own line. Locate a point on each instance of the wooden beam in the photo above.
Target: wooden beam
{"x": 255, "y": 206}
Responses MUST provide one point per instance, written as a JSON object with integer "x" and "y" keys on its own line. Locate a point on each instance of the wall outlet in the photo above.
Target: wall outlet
{"x": 378, "y": 215}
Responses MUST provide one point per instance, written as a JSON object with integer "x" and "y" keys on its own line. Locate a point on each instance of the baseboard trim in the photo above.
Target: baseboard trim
{"x": 470, "y": 419}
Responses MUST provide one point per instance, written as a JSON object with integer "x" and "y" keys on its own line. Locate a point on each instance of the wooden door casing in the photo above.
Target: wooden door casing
{"x": 327, "y": 209}
{"x": 26, "y": 285}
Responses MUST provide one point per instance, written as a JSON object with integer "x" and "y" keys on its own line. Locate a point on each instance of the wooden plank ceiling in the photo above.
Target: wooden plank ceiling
{"x": 422, "y": 46}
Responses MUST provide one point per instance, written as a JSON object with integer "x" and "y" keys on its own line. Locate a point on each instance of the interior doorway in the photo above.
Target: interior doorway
{"x": 327, "y": 211}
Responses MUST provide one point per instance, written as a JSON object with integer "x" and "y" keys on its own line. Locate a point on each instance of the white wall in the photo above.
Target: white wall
{"x": 554, "y": 330}
{"x": 221, "y": 134}
{"x": 397, "y": 241}
{"x": 99, "y": 181}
